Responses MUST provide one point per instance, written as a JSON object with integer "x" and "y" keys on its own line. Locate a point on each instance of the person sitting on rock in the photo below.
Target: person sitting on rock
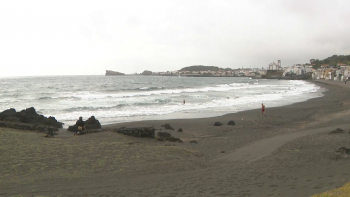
{"x": 80, "y": 124}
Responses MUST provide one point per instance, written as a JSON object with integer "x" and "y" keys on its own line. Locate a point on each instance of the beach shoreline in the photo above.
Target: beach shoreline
{"x": 213, "y": 115}
{"x": 287, "y": 152}
{"x": 198, "y": 115}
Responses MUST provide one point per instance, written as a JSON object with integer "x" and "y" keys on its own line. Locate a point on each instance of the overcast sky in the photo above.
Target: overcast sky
{"x": 87, "y": 37}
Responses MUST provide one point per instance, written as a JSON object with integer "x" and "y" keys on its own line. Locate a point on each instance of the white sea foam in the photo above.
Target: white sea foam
{"x": 134, "y": 98}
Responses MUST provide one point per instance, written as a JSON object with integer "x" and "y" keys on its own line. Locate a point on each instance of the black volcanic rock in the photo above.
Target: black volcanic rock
{"x": 217, "y": 124}
{"x": 8, "y": 113}
{"x": 231, "y": 122}
{"x": 338, "y": 130}
{"x": 90, "y": 124}
{"x": 163, "y": 134}
{"x": 28, "y": 127}
{"x": 11, "y": 119}
{"x": 72, "y": 128}
{"x": 147, "y": 132}
{"x": 167, "y": 126}
{"x": 30, "y": 117}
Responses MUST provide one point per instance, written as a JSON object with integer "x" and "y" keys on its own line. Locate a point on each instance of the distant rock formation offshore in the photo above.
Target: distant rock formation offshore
{"x": 110, "y": 72}
{"x": 146, "y": 72}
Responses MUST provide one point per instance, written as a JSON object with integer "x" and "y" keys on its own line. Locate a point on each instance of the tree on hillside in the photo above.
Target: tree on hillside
{"x": 200, "y": 68}
{"x": 146, "y": 72}
{"x": 334, "y": 60}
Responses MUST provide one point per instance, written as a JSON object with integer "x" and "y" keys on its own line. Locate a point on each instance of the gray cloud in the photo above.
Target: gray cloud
{"x": 131, "y": 36}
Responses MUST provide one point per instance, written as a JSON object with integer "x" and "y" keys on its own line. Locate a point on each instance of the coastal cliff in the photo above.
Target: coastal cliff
{"x": 109, "y": 72}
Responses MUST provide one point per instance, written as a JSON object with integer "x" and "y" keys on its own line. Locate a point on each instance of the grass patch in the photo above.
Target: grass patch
{"x": 339, "y": 192}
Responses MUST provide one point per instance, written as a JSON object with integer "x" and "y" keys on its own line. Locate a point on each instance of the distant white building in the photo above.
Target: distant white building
{"x": 275, "y": 66}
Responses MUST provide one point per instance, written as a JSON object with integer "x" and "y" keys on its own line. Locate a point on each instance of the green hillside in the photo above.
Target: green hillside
{"x": 203, "y": 68}
{"x": 333, "y": 61}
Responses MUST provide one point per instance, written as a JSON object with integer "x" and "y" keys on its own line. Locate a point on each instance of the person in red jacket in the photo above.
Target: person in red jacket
{"x": 262, "y": 109}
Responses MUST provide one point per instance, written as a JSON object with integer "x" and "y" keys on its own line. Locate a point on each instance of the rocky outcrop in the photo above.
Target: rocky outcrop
{"x": 165, "y": 136}
{"x": 136, "y": 131}
{"x": 72, "y": 128}
{"x": 28, "y": 117}
{"x": 110, "y": 72}
{"x": 12, "y": 119}
{"x": 27, "y": 127}
{"x": 167, "y": 126}
{"x": 338, "y": 130}
{"x": 343, "y": 150}
{"x": 217, "y": 124}
{"x": 231, "y": 122}
{"x": 180, "y": 130}
{"x": 90, "y": 124}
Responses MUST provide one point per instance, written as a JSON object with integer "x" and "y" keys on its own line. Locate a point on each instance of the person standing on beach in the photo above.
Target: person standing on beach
{"x": 262, "y": 109}
{"x": 80, "y": 124}
{"x": 184, "y": 101}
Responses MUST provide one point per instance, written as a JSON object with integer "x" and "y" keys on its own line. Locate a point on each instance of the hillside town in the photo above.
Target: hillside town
{"x": 275, "y": 70}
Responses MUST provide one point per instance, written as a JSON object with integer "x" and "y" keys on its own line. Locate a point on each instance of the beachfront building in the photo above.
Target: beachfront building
{"x": 249, "y": 73}
{"x": 329, "y": 74}
{"x": 255, "y": 70}
{"x": 339, "y": 75}
{"x": 308, "y": 69}
{"x": 342, "y": 65}
{"x": 346, "y": 73}
{"x": 301, "y": 70}
{"x": 342, "y": 74}
{"x": 325, "y": 66}
{"x": 294, "y": 70}
{"x": 262, "y": 72}
{"x": 316, "y": 75}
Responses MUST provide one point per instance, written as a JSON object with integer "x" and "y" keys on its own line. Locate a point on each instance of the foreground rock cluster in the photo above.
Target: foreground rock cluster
{"x": 90, "y": 124}
{"x": 231, "y": 122}
{"x": 165, "y": 136}
{"x": 148, "y": 132}
{"x": 342, "y": 152}
{"x": 28, "y": 119}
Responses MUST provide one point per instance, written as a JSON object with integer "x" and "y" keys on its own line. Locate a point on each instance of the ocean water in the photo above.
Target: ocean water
{"x": 113, "y": 99}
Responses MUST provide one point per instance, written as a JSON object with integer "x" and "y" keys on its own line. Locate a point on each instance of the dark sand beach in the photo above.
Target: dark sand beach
{"x": 287, "y": 152}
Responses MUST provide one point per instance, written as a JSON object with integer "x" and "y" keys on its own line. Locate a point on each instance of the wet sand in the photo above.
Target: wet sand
{"x": 287, "y": 152}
